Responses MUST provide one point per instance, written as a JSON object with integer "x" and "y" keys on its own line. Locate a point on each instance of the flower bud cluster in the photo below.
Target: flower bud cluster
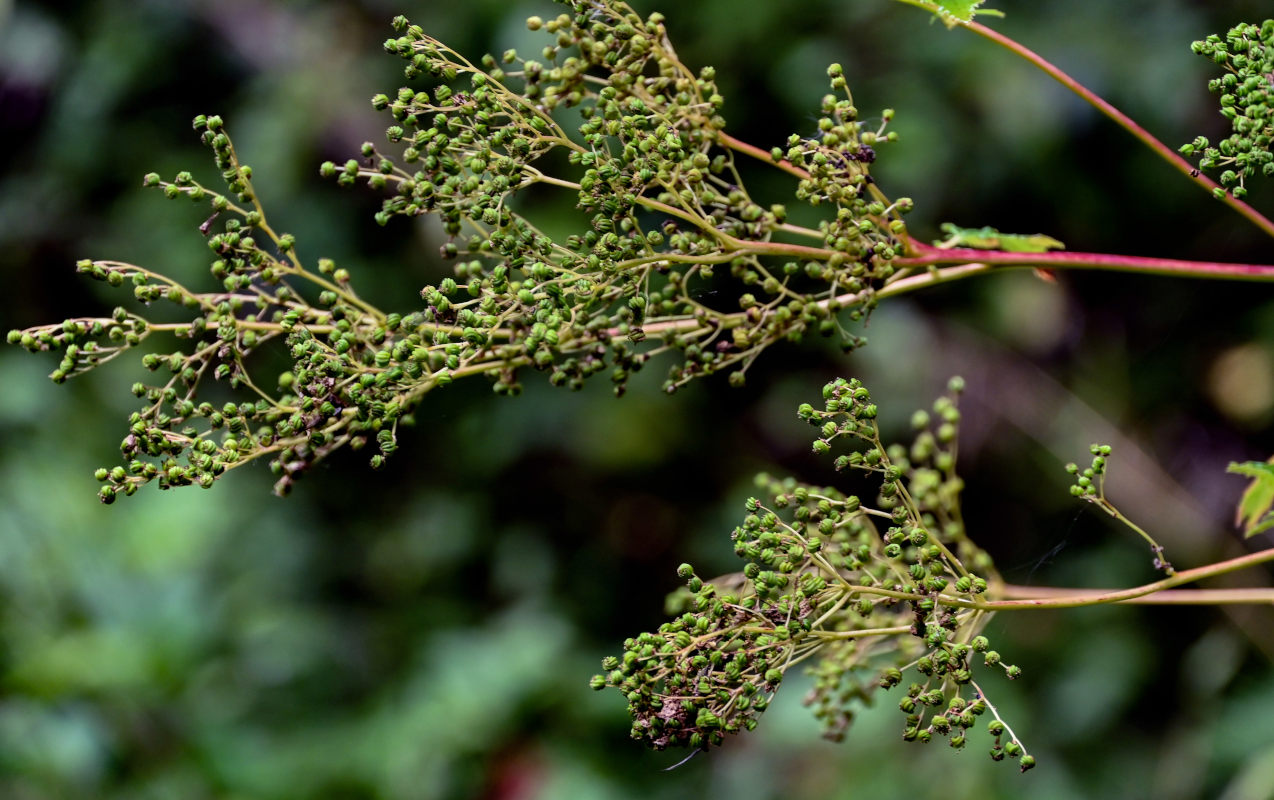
{"x": 1011, "y": 748}
{"x": 1090, "y": 486}
{"x": 1247, "y": 101}
{"x": 711, "y": 670}
{"x": 672, "y": 254}
{"x": 862, "y": 593}
{"x": 1089, "y": 483}
{"x": 353, "y": 372}
{"x": 86, "y": 342}
{"x": 654, "y": 176}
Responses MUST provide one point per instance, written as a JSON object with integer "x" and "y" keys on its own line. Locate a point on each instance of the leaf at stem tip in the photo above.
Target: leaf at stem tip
{"x": 1253, "y": 513}
{"x": 955, "y": 11}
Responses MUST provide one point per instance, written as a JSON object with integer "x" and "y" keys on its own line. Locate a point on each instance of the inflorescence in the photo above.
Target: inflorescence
{"x": 664, "y": 210}
{"x": 1247, "y": 101}
{"x": 1090, "y": 486}
{"x": 867, "y": 594}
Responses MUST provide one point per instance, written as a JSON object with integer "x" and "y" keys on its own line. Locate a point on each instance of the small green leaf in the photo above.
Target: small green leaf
{"x": 988, "y": 238}
{"x": 954, "y": 12}
{"x": 1253, "y": 513}
{"x": 961, "y": 10}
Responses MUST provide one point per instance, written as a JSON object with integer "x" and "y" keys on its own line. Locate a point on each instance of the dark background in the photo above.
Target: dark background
{"x": 428, "y": 631}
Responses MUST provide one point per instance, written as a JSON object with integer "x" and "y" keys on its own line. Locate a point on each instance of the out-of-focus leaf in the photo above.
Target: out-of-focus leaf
{"x": 952, "y": 12}
{"x": 1253, "y": 512}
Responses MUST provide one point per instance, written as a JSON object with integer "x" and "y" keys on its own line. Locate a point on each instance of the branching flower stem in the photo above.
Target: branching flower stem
{"x": 1035, "y": 597}
{"x": 860, "y": 634}
{"x": 929, "y": 256}
{"x": 1253, "y": 595}
{"x": 995, "y": 713}
{"x": 738, "y": 145}
{"x": 1072, "y": 598}
{"x": 947, "y": 266}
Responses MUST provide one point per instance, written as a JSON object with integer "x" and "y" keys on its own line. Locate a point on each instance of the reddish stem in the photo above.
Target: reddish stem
{"x": 741, "y": 146}
{"x": 930, "y": 256}
{"x": 1123, "y": 120}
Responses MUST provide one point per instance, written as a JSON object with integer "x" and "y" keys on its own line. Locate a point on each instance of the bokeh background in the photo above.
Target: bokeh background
{"x": 428, "y": 631}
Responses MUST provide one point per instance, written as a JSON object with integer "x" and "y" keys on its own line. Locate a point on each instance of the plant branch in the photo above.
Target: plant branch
{"x": 1060, "y": 259}
{"x": 728, "y": 141}
{"x": 1255, "y": 595}
{"x": 996, "y": 713}
{"x": 859, "y": 634}
{"x": 1124, "y": 121}
{"x": 1094, "y": 597}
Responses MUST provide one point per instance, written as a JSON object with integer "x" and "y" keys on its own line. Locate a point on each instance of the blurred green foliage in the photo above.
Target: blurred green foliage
{"x": 429, "y": 631}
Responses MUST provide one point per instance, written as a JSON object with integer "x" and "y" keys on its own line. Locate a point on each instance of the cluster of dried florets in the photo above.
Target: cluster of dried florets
{"x": 655, "y": 177}
{"x": 863, "y": 592}
{"x": 663, "y": 205}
